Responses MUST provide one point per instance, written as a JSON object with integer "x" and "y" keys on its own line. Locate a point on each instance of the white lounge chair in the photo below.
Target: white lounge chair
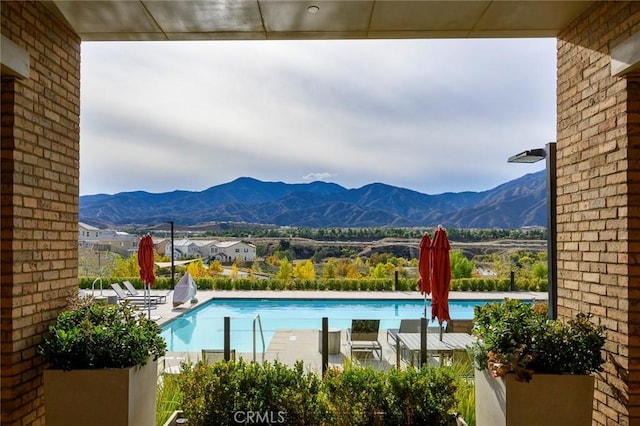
{"x": 123, "y": 296}
{"x": 155, "y": 298}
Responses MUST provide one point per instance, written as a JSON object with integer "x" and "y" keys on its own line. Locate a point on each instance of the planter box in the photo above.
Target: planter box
{"x": 123, "y": 397}
{"x": 548, "y": 399}
{"x": 176, "y": 419}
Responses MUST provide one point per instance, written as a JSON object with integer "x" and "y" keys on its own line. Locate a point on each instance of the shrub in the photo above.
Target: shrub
{"x": 513, "y": 337}
{"x": 96, "y": 335}
{"x": 354, "y": 396}
{"x": 420, "y": 397}
{"x": 211, "y": 394}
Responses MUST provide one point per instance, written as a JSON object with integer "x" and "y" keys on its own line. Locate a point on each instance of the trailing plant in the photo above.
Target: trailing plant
{"x": 93, "y": 335}
{"x": 516, "y": 337}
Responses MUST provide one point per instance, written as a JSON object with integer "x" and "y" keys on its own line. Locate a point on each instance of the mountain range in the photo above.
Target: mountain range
{"x": 520, "y": 202}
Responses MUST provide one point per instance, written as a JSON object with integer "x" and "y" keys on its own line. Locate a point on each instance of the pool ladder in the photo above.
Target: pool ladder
{"x": 257, "y": 319}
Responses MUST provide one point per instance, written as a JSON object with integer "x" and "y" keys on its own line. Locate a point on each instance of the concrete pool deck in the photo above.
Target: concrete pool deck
{"x": 290, "y": 345}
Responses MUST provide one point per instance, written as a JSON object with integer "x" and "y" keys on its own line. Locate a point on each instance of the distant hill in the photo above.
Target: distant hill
{"x": 518, "y": 203}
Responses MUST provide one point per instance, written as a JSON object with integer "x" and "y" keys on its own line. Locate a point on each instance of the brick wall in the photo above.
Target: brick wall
{"x": 598, "y": 178}
{"x": 39, "y": 200}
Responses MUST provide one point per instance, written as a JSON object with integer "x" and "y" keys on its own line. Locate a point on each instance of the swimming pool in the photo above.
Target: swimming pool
{"x": 203, "y": 327}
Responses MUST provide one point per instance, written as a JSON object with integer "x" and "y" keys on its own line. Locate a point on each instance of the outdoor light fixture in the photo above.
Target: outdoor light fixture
{"x": 313, "y": 9}
{"x": 532, "y": 156}
{"x": 529, "y": 156}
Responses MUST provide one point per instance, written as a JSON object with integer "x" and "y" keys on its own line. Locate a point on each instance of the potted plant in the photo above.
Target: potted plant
{"x": 531, "y": 370}
{"x": 102, "y": 365}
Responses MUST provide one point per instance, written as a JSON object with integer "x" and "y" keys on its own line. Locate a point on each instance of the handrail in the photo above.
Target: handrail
{"x": 93, "y": 285}
{"x": 257, "y": 318}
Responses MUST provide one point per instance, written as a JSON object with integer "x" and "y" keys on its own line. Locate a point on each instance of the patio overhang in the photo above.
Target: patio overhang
{"x": 140, "y": 20}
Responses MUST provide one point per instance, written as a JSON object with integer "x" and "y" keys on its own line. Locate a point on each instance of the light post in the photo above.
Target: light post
{"x": 172, "y": 251}
{"x": 532, "y": 156}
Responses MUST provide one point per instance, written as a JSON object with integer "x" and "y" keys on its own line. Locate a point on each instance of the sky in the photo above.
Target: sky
{"x": 432, "y": 116}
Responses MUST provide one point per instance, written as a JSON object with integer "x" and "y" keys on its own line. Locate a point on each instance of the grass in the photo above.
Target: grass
{"x": 169, "y": 397}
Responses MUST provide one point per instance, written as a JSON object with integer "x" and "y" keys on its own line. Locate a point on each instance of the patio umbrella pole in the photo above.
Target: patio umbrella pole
{"x": 148, "y": 297}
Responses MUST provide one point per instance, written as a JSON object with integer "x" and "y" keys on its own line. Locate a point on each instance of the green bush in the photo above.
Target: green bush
{"x": 211, "y": 394}
{"x": 98, "y": 335}
{"x": 420, "y": 397}
{"x": 354, "y": 396}
{"x": 321, "y": 284}
{"x": 515, "y": 337}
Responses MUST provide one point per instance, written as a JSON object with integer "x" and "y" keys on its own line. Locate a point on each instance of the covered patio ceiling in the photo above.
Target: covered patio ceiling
{"x": 137, "y": 20}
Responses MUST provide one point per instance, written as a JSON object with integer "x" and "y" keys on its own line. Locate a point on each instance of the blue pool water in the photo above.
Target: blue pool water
{"x": 203, "y": 327}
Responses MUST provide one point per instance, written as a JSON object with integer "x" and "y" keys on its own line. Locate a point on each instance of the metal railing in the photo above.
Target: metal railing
{"x": 259, "y": 321}
{"x": 93, "y": 286}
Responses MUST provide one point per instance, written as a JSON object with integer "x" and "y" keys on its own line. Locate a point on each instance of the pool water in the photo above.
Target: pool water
{"x": 203, "y": 327}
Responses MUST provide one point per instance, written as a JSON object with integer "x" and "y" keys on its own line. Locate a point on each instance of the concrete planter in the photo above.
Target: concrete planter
{"x": 175, "y": 419}
{"x": 123, "y": 397}
{"x": 548, "y": 399}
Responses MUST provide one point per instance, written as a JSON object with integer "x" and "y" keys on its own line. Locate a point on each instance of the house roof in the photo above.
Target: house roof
{"x": 88, "y": 227}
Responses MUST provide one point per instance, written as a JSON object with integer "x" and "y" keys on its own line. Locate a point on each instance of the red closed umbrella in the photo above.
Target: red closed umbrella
{"x": 424, "y": 268}
{"x": 440, "y": 276}
{"x": 424, "y": 265}
{"x": 147, "y": 266}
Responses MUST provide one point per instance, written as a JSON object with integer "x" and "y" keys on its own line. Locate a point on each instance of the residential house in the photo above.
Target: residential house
{"x": 229, "y": 251}
{"x": 119, "y": 242}
{"x": 184, "y": 248}
{"x": 88, "y": 236}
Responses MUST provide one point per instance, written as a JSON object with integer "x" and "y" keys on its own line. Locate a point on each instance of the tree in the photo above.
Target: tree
{"x": 329, "y": 269}
{"x": 255, "y": 269}
{"x": 461, "y": 267}
{"x": 196, "y": 269}
{"x": 125, "y": 268}
{"x": 305, "y": 270}
{"x": 353, "y": 272}
{"x": 234, "y": 270}
{"x": 378, "y": 271}
{"x": 540, "y": 271}
{"x": 273, "y": 260}
{"x": 286, "y": 270}
{"x": 215, "y": 267}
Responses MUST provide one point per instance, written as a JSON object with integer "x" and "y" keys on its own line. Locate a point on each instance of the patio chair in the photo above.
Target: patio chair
{"x": 408, "y": 326}
{"x": 362, "y": 337}
{"x": 459, "y": 326}
{"x": 155, "y": 298}
{"x": 210, "y": 356}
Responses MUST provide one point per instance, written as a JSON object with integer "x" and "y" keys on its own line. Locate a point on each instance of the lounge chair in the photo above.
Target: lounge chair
{"x": 122, "y": 296}
{"x": 155, "y": 298}
{"x": 363, "y": 337}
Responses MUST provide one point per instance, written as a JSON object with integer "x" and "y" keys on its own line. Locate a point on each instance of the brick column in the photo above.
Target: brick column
{"x": 39, "y": 200}
{"x": 598, "y": 178}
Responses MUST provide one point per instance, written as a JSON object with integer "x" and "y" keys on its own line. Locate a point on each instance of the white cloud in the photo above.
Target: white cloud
{"x": 429, "y": 115}
{"x": 318, "y": 176}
